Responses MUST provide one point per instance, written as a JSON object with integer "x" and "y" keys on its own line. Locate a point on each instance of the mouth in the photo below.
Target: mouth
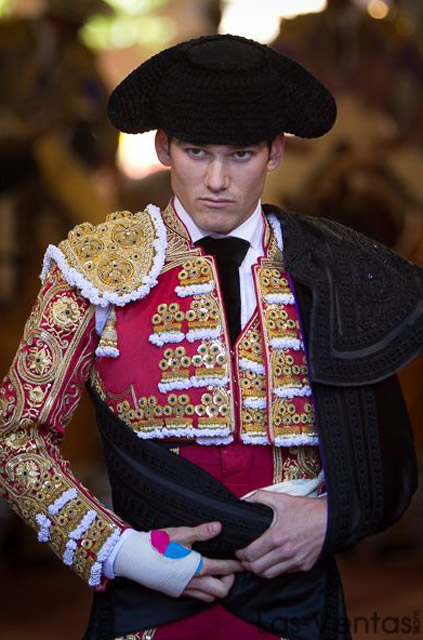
{"x": 216, "y": 202}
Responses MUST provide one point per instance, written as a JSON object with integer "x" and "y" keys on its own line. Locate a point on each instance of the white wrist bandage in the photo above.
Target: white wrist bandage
{"x": 151, "y": 559}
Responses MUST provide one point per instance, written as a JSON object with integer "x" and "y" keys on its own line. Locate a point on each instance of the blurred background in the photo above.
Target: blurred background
{"x": 62, "y": 163}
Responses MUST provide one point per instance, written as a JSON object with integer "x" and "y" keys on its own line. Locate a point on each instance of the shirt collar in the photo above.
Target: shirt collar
{"x": 251, "y": 229}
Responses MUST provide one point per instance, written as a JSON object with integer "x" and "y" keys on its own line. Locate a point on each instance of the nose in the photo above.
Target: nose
{"x": 216, "y": 177}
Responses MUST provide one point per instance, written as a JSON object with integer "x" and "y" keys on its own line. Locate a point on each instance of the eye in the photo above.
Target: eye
{"x": 196, "y": 152}
{"x": 242, "y": 154}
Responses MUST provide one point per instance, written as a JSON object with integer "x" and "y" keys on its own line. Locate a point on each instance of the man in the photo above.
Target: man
{"x": 192, "y": 325}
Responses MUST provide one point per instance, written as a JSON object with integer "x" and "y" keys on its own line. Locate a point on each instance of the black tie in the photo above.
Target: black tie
{"x": 229, "y": 253}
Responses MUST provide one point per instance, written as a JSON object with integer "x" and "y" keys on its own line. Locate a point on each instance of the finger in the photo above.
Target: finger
{"x": 267, "y": 561}
{"x": 220, "y": 567}
{"x": 287, "y": 566}
{"x": 228, "y": 581}
{"x": 216, "y": 587}
{"x": 188, "y": 535}
{"x": 266, "y": 543}
{"x": 198, "y": 595}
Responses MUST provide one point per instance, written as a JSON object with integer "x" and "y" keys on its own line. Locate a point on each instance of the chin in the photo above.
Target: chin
{"x": 218, "y": 226}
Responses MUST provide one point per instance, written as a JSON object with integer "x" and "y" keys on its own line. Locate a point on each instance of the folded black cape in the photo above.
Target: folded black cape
{"x": 154, "y": 488}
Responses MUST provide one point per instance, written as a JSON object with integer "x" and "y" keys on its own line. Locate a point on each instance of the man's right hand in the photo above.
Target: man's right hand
{"x": 163, "y": 560}
{"x": 216, "y": 576}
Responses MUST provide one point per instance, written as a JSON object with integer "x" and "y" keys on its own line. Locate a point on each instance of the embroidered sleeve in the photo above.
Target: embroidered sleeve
{"x": 37, "y": 399}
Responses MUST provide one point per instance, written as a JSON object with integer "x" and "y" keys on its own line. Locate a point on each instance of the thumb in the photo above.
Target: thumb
{"x": 266, "y": 497}
{"x": 259, "y": 496}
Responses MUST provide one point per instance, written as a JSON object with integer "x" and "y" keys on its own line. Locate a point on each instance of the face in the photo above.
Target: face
{"x": 219, "y": 185}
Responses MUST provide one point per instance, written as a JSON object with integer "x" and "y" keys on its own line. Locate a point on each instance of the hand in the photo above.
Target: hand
{"x": 216, "y": 576}
{"x": 294, "y": 540}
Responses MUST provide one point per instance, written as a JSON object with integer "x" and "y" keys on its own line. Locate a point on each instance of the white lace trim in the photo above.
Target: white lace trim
{"x": 181, "y": 383}
{"x": 194, "y": 289}
{"x": 280, "y": 298}
{"x": 193, "y": 381}
{"x": 107, "y": 352}
{"x": 207, "y": 382}
{"x": 103, "y": 554}
{"x": 74, "y": 535}
{"x": 203, "y": 334}
{"x": 292, "y": 441}
{"x": 250, "y": 439}
{"x": 69, "y": 552}
{"x": 44, "y": 524}
{"x": 58, "y": 504}
{"x": 274, "y": 223}
{"x": 214, "y": 441}
{"x": 286, "y": 343}
{"x": 255, "y": 403}
{"x": 187, "y": 431}
{"x": 250, "y": 365}
{"x": 292, "y": 392}
{"x": 103, "y": 298}
{"x": 159, "y": 339}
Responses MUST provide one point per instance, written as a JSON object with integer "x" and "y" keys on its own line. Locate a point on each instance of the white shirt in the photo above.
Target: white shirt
{"x": 251, "y": 230}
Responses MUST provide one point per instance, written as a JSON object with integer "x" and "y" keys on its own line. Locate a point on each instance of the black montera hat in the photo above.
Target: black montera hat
{"x": 222, "y": 89}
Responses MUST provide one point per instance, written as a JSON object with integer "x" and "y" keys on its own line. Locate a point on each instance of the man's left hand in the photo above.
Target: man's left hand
{"x": 293, "y": 541}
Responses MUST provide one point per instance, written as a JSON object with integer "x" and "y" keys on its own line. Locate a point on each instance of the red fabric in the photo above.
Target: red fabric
{"x": 214, "y": 624}
{"x": 242, "y": 468}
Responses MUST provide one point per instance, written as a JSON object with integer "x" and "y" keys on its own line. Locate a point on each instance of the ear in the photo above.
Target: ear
{"x": 277, "y": 151}
{"x": 163, "y": 148}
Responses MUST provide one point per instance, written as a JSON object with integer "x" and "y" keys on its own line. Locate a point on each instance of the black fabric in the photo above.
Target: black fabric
{"x": 154, "y": 488}
{"x": 222, "y": 89}
{"x": 365, "y": 302}
{"x": 365, "y": 434}
{"x": 229, "y": 253}
{"x": 369, "y": 459}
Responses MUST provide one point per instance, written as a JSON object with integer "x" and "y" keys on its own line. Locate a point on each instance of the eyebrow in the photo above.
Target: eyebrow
{"x": 232, "y": 147}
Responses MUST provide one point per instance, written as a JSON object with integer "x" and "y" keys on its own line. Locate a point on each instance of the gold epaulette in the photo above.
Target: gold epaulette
{"x": 115, "y": 262}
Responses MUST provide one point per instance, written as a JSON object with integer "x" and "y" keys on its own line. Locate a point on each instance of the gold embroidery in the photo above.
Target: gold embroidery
{"x": 274, "y": 282}
{"x": 168, "y": 318}
{"x": 175, "y": 365}
{"x": 296, "y": 463}
{"x": 292, "y": 419}
{"x": 250, "y": 346}
{"x": 279, "y": 322}
{"x": 252, "y": 383}
{"x": 65, "y": 313}
{"x": 309, "y": 460}
{"x": 195, "y": 271}
{"x": 289, "y": 369}
{"x": 45, "y": 380}
{"x": 290, "y": 409}
{"x": 175, "y": 226}
{"x": 115, "y": 256}
{"x": 254, "y": 422}
{"x": 277, "y": 465}
{"x": 146, "y": 415}
{"x": 210, "y": 360}
{"x": 204, "y": 314}
{"x": 109, "y": 339}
